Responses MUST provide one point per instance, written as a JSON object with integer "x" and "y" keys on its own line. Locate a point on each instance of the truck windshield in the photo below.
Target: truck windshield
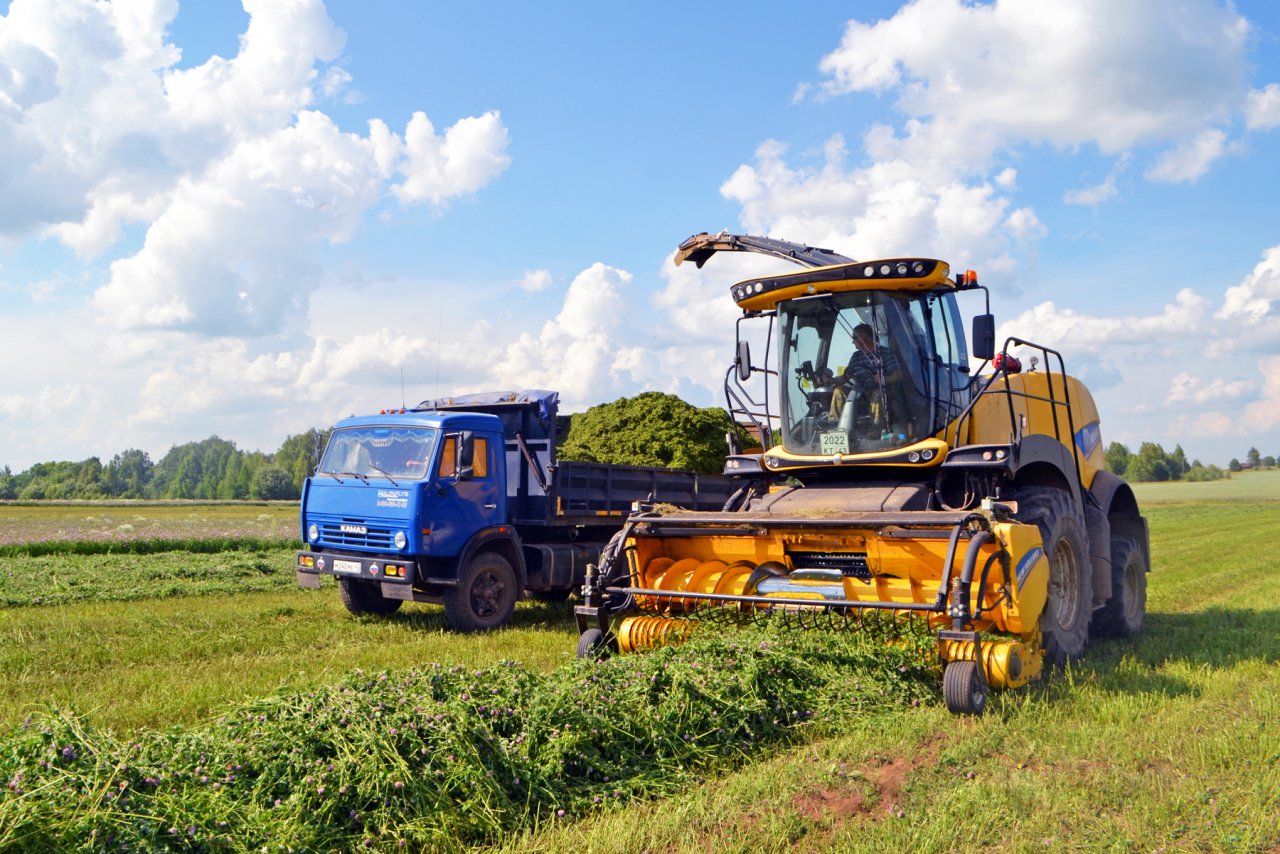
{"x": 396, "y": 453}
{"x": 866, "y": 371}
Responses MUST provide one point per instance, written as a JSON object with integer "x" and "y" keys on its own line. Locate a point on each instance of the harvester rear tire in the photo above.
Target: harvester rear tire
{"x": 1126, "y": 610}
{"x": 485, "y": 596}
{"x": 365, "y": 597}
{"x": 1064, "y": 624}
{"x": 964, "y": 688}
{"x": 593, "y": 644}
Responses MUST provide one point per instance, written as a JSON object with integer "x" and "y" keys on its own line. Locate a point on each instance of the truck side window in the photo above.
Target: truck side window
{"x": 448, "y": 454}
{"x": 479, "y": 462}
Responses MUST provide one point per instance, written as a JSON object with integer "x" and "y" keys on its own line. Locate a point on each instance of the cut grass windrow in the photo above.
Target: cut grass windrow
{"x": 199, "y": 545}
{"x": 442, "y": 758}
{"x": 39, "y": 574}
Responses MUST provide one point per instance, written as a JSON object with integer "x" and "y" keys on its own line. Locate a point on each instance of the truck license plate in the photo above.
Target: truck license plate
{"x": 346, "y": 566}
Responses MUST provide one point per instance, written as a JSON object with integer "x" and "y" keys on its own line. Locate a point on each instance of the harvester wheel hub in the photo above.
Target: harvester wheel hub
{"x": 1064, "y": 583}
{"x": 1135, "y": 601}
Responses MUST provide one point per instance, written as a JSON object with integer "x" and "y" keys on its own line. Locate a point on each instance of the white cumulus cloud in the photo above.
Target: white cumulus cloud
{"x": 229, "y": 166}
{"x": 1262, "y": 111}
{"x": 574, "y": 352}
{"x": 1190, "y": 160}
{"x": 1251, "y": 301}
{"x": 1094, "y": 71}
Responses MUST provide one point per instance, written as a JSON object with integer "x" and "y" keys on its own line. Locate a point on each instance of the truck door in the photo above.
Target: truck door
{"x": 472, "y": 501}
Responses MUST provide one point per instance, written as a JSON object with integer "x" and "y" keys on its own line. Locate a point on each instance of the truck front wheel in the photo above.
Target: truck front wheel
{"x": 485, "y": 595}
{"x": 364, "y": 597}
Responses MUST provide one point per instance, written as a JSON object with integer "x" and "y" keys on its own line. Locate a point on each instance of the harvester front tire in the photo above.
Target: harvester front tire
{"x": 1064, "y": 624}
{"x": 485, "y": 596}
{"x": 364, "y": 597}
{"x": 1126, "y": 610}
{"x": 593, "y": 644}
{"x": 964, "y": 688}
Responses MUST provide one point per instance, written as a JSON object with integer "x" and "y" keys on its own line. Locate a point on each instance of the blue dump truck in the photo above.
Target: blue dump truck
{"x": 461, "y": 502}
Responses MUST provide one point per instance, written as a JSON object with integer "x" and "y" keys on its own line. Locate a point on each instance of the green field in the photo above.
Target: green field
{"x": 1165, "y": 741}
{"x": 1241, "y": 486}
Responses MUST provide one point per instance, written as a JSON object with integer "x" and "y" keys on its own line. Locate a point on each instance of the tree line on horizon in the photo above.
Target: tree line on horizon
{"x": 1153, "y": 463}
{"x": 209, "y": 470}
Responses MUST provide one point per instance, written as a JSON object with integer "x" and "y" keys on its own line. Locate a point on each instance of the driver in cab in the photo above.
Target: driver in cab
{"x": 872, "y": 370}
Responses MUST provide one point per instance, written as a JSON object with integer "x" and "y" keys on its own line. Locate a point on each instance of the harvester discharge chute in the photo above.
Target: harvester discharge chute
{"x": 894, "y": 490}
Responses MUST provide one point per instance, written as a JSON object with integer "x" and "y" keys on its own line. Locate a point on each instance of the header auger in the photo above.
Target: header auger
{"x": 895, "y": 490}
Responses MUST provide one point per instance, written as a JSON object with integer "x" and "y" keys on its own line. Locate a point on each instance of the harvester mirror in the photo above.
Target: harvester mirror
{"x": 743, "y": 361}
{"x": 984, "y": 336}
{"x": 464, "y": 464}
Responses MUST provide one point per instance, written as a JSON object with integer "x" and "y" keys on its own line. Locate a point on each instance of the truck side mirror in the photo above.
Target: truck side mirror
{"x": 464, "y": 460}
{"x": 984, "y": 337}
{"x": 743, "y": 361}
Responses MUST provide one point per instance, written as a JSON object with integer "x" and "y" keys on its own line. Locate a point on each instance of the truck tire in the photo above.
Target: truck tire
{"x": 1064, "y": 624}
{"x": 1125, "y": 611}
{"x": 485, "y": 596}
{"x": 365, "y": 597}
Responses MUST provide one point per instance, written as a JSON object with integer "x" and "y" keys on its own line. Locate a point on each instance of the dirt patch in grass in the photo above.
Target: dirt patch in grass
{"x": 848, "y": 798}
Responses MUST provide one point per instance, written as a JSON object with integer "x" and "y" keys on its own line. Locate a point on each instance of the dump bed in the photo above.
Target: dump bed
{"x": 543, "y": 492}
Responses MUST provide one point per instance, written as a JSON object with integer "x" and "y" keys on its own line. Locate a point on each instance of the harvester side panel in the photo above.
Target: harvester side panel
{"x": 1028, "y": 394}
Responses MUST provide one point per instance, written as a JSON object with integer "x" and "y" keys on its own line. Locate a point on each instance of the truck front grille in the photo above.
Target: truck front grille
{"x": 333, "y": 534}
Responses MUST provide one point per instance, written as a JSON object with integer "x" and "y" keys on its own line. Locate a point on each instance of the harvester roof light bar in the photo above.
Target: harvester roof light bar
{"x": 762, "y": 293}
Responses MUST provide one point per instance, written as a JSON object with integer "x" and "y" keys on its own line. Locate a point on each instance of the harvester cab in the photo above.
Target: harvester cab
{"x": 899, "y": 487}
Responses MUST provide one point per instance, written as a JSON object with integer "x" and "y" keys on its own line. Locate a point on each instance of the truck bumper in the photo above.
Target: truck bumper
{"x": 310, "y": 566}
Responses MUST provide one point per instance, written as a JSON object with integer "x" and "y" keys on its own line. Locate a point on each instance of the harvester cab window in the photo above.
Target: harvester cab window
{"x": 866, "y": 371}
{"x": 391, "y": 453}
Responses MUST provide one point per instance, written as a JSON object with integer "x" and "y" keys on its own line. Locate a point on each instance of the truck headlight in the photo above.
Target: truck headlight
{"x": 400, "y": 540}
{"x": 313, "y": 532}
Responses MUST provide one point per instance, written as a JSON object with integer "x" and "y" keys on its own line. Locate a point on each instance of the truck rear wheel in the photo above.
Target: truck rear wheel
{"x": 485, "y": 595}
{"x": 1065, "y": 621}
{"x": 365, "y": 597}
{"x": 1125, "y": 611}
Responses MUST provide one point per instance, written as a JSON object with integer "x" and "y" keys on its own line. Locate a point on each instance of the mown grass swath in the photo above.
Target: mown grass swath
{"x": 63, "y": 553}
{"x": 441, "y": 757}
{"x": 57, "y": 573}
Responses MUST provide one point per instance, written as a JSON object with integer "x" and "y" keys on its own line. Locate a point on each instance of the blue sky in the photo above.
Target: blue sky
{"x": 249, "y": 221}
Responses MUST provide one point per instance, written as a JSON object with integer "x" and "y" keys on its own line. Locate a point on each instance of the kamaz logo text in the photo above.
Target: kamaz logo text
{"x": 353, "y": 529}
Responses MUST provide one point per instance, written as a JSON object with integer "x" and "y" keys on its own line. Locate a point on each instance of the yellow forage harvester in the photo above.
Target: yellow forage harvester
{"x": 898, "y": 486}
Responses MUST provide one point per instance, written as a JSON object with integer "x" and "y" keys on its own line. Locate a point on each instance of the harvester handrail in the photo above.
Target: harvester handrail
{"x": 1051, "y": 399}
{"x": 738, "y": 399}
